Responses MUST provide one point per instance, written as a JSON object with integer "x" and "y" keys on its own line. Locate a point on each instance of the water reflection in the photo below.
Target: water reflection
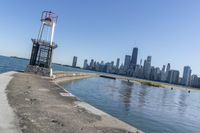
{"x": 164, "y": 96}
{"x": 125, "y": 93}
{"x": 154, "y": 110}
{"x": 142, "y": 94}
{"x": 182, "y": 102}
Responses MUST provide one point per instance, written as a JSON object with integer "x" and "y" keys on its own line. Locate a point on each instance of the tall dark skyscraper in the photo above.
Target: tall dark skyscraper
{"x": 134, "y": 56}
{"x": 74, "y": 61}
{"x": 133, "y": 62}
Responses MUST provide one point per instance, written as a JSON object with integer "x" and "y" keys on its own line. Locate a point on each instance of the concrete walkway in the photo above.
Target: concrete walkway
{"x": 44, "y": 107}
{"x": 7, "y": 116}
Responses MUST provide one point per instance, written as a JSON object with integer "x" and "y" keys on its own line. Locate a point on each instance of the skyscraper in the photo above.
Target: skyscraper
{"x": 147, "y": 68}
{"x": 163, "y": 68}
{"x": 112, "y": 64}
{"x": 134, "y": 58}
{"x": 127, "y": 61}
{"x": 173, "y": 77}
{"x": 85, "y": 65}
{"x": 149, "y": 60}
{"x": 92, "y": 64}
{"x": 186, "y": 75}
{"x": 194, "y": 81}
{"x": 74, "y": 61}
{"x": 168, "y": 67}
{"x": 117, "y": 64}
{"x": 140, "y": 62}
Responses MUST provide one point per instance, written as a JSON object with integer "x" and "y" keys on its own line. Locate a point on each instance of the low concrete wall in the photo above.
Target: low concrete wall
{"x": 68, "y": 76}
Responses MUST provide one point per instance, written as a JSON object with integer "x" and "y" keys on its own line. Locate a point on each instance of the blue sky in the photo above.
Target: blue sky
{"x": 168, "y": 30}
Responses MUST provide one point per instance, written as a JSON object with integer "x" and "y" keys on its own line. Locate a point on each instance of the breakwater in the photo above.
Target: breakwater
{"x": 43, "y": 106}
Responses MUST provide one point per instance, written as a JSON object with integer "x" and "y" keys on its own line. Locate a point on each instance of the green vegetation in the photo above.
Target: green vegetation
{"x": 149, "y": 83}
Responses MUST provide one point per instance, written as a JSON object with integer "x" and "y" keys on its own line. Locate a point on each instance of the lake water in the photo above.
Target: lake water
{"x": 16, "y": 64}
{"x": 153, "y": 110}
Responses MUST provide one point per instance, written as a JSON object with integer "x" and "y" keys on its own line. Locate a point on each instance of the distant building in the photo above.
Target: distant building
{"x": 85, "y": 65}
{"x": 92, "y": 64}
{"x": 74, "y": 61}
{"x": 173, "y": 77}
{"x": 140, "y": 62}
{"x": 137, "y": 71}
{"x": 149, "y": 60}
{"x": 194, "y": 81}
{"x": 163, "y": 68}
{"x": 112, "y": 64}
{"x": 121, "y": 70}
{"x": 133, "y": 62}
{"x": 108, "y": 67}
{"x": 147, "y": 68}
{"x": 168, "y": 67}
{"x": 127, "y": 61}
{"x": 117, "y": 64}
{"x": 162, "y": 76}
{"x": 152, "y": 73}
{"x": 186, "y": 75}
{"x": 157, "y": 74}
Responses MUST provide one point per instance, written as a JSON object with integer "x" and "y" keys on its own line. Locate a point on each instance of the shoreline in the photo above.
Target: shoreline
{"x": 41, "y": 105}
{"x": 105, "y": 116}
{"x": 161, "y": 84}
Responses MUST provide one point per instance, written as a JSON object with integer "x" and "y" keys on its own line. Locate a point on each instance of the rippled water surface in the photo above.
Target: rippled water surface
{"x": 153, "y": 110}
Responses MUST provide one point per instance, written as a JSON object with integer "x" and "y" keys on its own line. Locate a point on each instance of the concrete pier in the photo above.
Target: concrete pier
{"x": 42, "y": 106}
{"x": 8, "y": 121}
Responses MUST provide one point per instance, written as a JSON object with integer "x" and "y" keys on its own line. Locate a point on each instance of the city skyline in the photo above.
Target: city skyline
{"x": 147, "y": 71}
{"x": 134, "y": 56}
{"x": 128, "y": 60}
{"x": 168, "y": 31}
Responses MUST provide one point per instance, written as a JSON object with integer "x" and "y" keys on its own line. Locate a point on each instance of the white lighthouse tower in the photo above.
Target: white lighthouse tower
{"x": 41, "y": 56}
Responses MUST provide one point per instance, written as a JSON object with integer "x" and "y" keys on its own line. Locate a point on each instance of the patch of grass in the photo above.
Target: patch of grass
{"x": 149, "y": 83}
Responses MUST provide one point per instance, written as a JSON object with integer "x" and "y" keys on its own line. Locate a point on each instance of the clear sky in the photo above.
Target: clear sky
{"x": 168, "y": 30}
